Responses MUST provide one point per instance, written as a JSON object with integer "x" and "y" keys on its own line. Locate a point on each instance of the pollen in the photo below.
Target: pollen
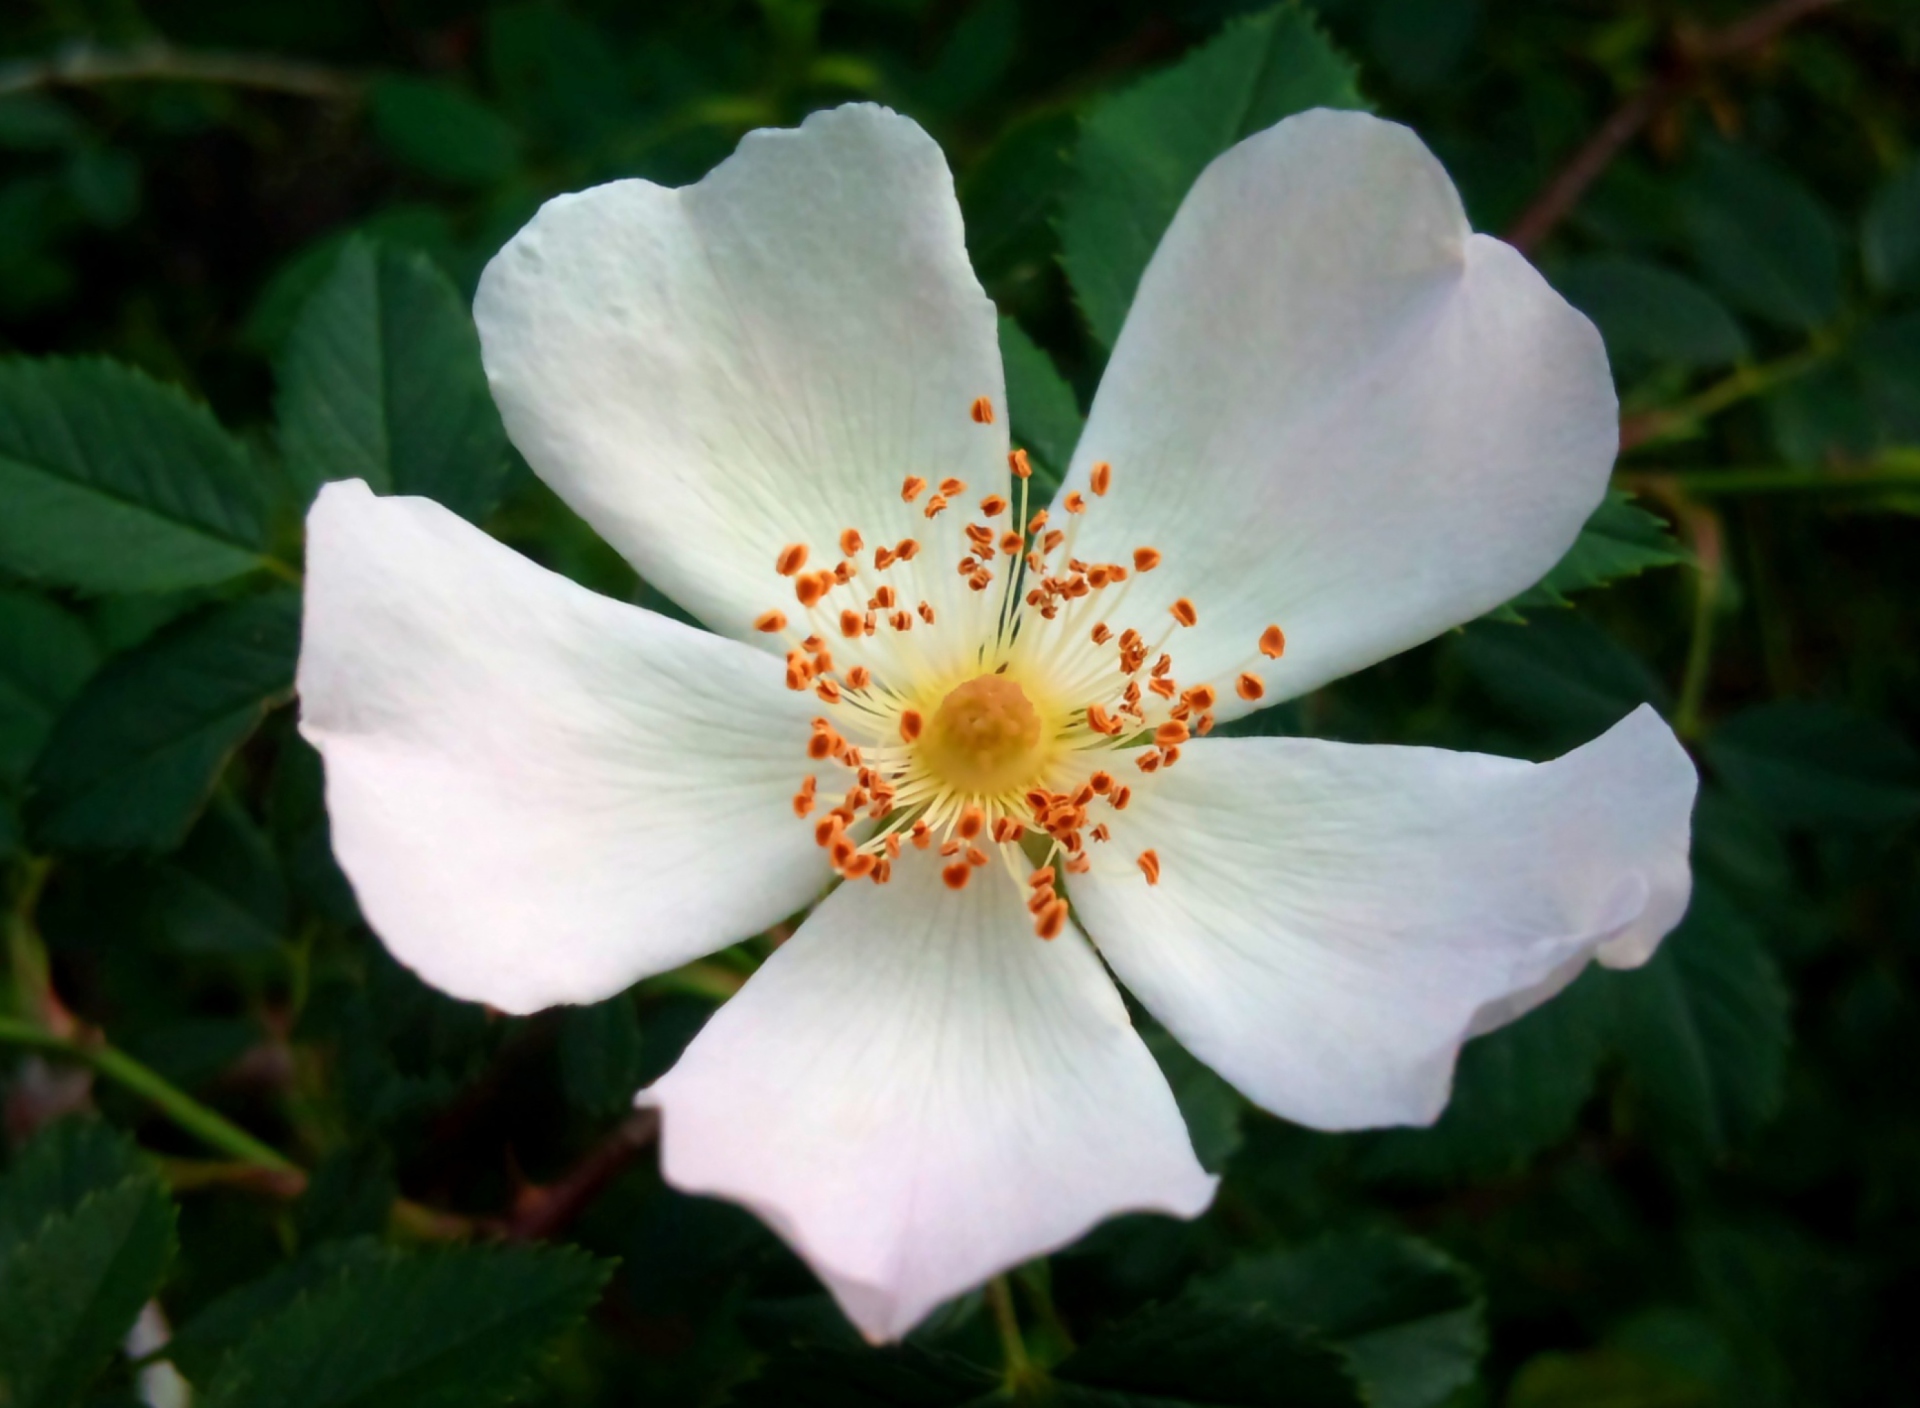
{"x": 1149, "y": 864}
{"x": 1145, "y": 559}
{"x": 1019, "y": 465}
{"x": 982, "y": 411}
{"x": 1250, "y": 687}
{"x": 992, "y": 506}
{"x": 1273, "y": 642}
{"x": 912, "y": 487}
{"x": 957, "y": 875}
{"x": 1074, "y": 502}
{"x": 771, "y": 622}
{"x": 1184, "y": 612}
{"x": 851, "y": 542}
{"x": 792, "y": 558}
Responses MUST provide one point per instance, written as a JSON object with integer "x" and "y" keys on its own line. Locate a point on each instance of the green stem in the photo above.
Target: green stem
{"x": 1711, "y": 483}
{"x": 1708, "y": 548}
{"x": 1013, "y": 1348}
{"x": 213, "y": 1128}
{"x": 1754, "y": 379}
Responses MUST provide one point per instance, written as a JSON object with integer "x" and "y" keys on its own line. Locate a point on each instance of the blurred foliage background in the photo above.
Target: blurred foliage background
{"x": 236, "y": 243}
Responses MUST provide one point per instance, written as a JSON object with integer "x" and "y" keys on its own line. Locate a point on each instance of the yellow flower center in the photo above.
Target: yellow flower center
{"x": 985, "y": 737}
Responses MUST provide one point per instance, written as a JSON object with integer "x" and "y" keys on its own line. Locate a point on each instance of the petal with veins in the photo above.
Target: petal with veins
{"x": 917, "y": 1093}
{"x": 1331, "y": 922}
{"x": 540, "y": 795}
{"x": 1335, "y": 409}
{"x": 712, "y": 373}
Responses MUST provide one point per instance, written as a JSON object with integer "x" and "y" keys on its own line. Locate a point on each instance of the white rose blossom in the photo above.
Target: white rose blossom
{"x": 1336, "y": 424}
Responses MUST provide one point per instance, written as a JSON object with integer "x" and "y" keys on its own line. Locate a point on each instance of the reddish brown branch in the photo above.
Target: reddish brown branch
{"x": 548, "y": 1209}
{"x": 1695, "y": 53}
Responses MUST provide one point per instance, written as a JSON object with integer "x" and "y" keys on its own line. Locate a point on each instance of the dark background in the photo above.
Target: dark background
{"x": 1694, "y": 1185}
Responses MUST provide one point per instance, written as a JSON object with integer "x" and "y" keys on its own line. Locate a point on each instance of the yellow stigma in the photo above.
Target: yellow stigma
{"x": 984, "y": 738}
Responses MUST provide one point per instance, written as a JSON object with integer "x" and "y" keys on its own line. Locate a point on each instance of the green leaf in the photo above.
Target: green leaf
{"x": 1650, "y": 314}
{"x": 114, "y": 482}
{"x": 1196, "y": 1351}
{"x": 442, "y": 131}
{"x": 1763, "y": 239}
{"x": 1516, "y": 1091}
{"x": 1607, "y": 1378}
{"x": 1890, "y": 235}
{"x": 1008, "y": 196}
{"x": 601, "y": 1055}
{"x": 45, "y": 656}
{"x": 86, "y": 1233}
{"x": 1703, "y": 1027}
{"x": 1042, "y": 413}
{"x": 1818, "y": 765}
{"x": 222, "y": 893}
{"x": 894, "y": 1377}
{"x": 132, "y": 761}
{"x": 1141, "y": 149}
{"x": 1408, "y": 1317}
{"x": 380, "y": 380}
{"x": 1560, "y": 672}
{"x": 558, "y": 73}
{"x": 63, "y": 1163}
{"x": 201, "y": 1345}
{"x": 461, "y": 1327}
{"x": 1621, "y": 539}
{"x": 1212, "y": 1108}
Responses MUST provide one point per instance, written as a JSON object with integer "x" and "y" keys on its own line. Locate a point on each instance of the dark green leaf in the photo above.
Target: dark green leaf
{"x": 1516, "y": 1091}
{"x": 1560, "y": 672}
{"x": 45, "y": 656}
{"x": 1008, "y": 195}
{"x": 1703, "y": 1027}
{"x": 62, "y": 1164}
{"x": 70, "y": 1290}
{"x": 200, "y": 1345}
{"x": 1211, "y": 1108}
{"x": 1419, "y": 42}
{"x": 222, "y": 893}
{"x": 1621, "y": 539}
{"x": 1890, "y": 236}
{"x": 601, "y": 1055}
{"x": 1607, "y": 1378}
{"x": 903, "y": 1377}
{"x": 1814, "y": 764}
{"x": 1763, "y": 239}
{"x": 114, "y": 482}
{"x": 1408, "y": 1316}
{"x": 1041, "y": 410}
{"x": 29, "y": 122}
{"x": 440, "y": 130}
{"x": 1650, "y": 314}
{"x": 1196, "y": 1351}
{"x": 1142, "y": 149}
{"x": 135, "y": 757}
{"x": 461, "y": 1327}
{"x": 381, "y": 380}
{"x": 557, "y": 73}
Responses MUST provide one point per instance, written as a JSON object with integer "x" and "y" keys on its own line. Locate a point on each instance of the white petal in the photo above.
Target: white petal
{"x": 711, "y": 373}
{"x": 1336, "y": 410}
{"x": 917, "y": 1094}
{"x": 540, "y": 795}
{"x": 1333, "y": 921}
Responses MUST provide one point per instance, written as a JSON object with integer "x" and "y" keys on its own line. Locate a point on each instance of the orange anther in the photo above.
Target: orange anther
{"x": 892, "y": 843}
{"x": 1203, "y": 725}
{"x": 1119, "y": 798}
{"x": 1150, "y": 866}
{"x": 912, "y": 487}
{"x": 1146, "y": 559}
{"x": 883, "y": 558}
{"x": 1201, "y": 696}
{"x": 1052, "y": 921}
{"x": 1148, "y": 761}
{"x": 850, "y": 624}
{"x": 1183, "y": 612}
{"x": 1052, "y": 540}
{"x": 993, "y": 506}
{"x": 901, "y": 620}
{"x": 860, "y": 866}
{"x": 841, "y": 849}
{"x": 820, "y": 746}
{"x": 1101, "y": 479}
{"x": 910, "y": 724}
{"x": 859, "y": 677}
{"x": 1018, "y": 463}
{"x": 921, "y": 835}
{"x": 1101, "y": 833}
{"x": 828, "y": 691}
{"x": 1074, "y": 502}
{"x": 884, "y": 598}
{"x": 802, "y": 803}
{"x": 792, "y": 558}
{"x": 905, "y": 549}
{"x": 1249, "y": 687}
{"x": 976, "y": 857}
{"x": 1037, "y": 522}
{"x": 1101, "y": 635}
{"x": 1041, "y": 878}
{"x": 809, "y": 590}
{"x": 1171, "y": 733}
{"x": 952, "y": 488}
{"x": 971, "y": 820}
{"x": 851, "y": 542}
{"x": 843, "y": 572}
{"x": 934, "y": 505}
{"x": 926, "y": 613}
{"x": 826, "y": 830}
{"x": 982, "y": 411}
{"x": 957, "y": 875}
{"x": 1273, "y": 642}
{"x": 770, "y": 621}
{"x": 1011, "y": 543}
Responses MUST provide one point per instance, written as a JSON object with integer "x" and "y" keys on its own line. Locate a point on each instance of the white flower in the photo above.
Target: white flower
{"x": 1341, "y": 421}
